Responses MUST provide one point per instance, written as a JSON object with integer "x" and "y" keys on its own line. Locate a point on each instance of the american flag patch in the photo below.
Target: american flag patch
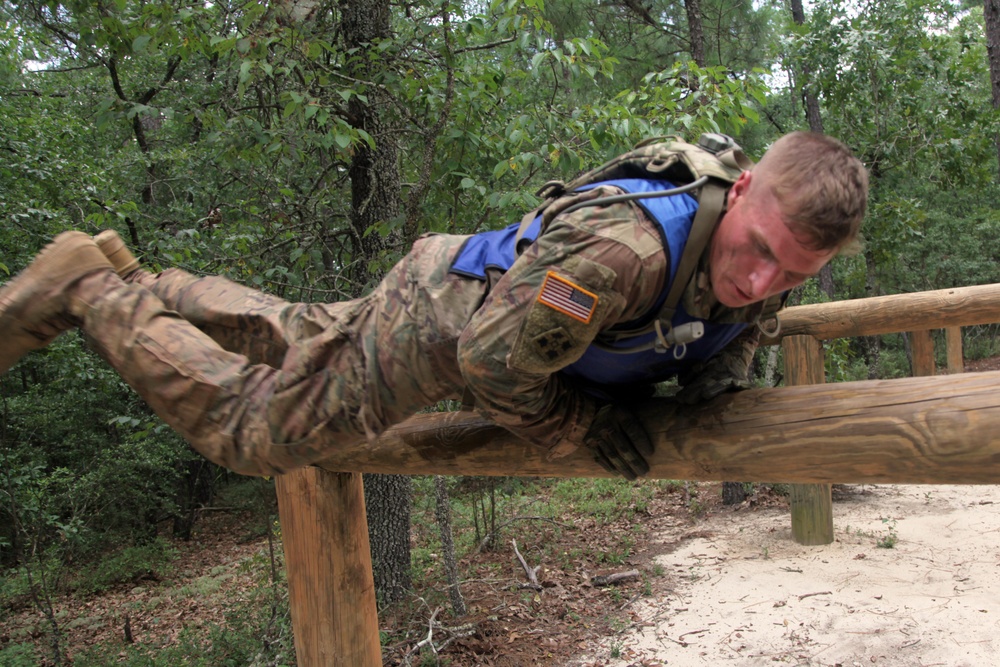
{"x": 564, "y": 296}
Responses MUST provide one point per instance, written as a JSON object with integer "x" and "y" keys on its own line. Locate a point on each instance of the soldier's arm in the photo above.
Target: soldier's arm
{"x": 591, "y": 269}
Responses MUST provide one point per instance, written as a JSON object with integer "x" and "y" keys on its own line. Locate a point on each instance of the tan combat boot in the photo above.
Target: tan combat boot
{"x": 117, "y": 253}
{"x": 38, "y": 305}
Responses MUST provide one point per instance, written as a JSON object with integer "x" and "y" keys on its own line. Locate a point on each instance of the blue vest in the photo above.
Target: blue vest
{"x": 601, "y": 372}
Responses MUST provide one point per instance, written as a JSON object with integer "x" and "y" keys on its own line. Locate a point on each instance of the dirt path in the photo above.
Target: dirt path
{"x": 746, "y": 594}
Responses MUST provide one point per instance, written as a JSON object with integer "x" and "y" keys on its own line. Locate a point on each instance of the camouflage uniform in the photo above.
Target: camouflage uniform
{"x": 260, "y": 385}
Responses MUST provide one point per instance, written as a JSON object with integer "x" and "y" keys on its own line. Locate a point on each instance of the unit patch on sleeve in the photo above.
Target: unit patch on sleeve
{"x": 567, "y": 298}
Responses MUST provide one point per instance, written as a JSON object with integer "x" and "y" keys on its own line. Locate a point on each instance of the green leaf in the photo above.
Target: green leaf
{"x": 140, "y": 43}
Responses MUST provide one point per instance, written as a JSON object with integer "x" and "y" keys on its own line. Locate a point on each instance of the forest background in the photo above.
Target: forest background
{"x": 300, "y": 147}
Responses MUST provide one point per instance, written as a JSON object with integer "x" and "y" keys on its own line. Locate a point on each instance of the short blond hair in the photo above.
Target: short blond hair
{"x": 821, "y": 187}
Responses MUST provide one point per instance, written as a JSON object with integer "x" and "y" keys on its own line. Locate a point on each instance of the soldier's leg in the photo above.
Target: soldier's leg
{"x": 371, "y": 364}
{"x": 239, "y": 318}
{"x": 218, "y": 400}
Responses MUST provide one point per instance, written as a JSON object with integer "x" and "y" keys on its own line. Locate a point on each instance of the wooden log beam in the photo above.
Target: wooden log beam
{"x": 936, "y": 309}
{"x": 928, "y": 430}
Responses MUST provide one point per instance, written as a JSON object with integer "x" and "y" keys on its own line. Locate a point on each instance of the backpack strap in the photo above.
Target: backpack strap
{"x": 711, "y": 204}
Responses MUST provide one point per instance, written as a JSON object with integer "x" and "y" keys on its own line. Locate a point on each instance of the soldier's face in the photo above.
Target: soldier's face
{"x": 753, "y": 253}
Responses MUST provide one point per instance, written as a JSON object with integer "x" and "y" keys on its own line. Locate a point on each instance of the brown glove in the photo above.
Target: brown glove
{"x": 619, "y": 441}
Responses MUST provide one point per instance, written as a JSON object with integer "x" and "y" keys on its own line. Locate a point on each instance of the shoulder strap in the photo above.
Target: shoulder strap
{"x": 714, "y": 157}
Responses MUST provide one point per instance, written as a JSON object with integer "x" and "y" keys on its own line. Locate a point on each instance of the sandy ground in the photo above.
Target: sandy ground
{"x": 747, "y": 594}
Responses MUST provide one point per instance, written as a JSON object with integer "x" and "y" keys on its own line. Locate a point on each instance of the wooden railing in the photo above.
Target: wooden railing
{"x": 911, "y": 430}
{"x": 804, "y": 327}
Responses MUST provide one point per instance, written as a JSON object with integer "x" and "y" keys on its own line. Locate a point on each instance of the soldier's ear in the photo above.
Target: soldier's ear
{"x": 739, "y": 189}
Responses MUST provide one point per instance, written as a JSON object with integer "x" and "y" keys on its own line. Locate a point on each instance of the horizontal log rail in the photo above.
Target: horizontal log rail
{"x": 939, "y": 430}
{"x": 936, "y": 309}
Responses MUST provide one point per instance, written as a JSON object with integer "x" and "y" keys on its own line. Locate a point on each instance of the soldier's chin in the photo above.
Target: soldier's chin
{"x": 731, "y": 297}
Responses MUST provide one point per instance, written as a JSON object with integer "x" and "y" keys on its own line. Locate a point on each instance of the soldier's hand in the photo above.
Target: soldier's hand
{"x": 706, "y": 387}
{"x": 619, "y": 441}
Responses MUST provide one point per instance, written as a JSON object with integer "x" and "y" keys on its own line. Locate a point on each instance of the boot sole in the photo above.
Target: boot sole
{"x": 71, "y": 256}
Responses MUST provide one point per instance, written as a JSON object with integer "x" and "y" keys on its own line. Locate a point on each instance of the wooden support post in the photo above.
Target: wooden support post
{"x": 327, "y": 557}
{"x": 922, "y": 348}
{"x": 811, "y": 504}
{"x": 956, "y": 358}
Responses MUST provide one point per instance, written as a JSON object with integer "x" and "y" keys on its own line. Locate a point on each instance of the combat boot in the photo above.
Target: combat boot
{"x": 117, "y": 253}
{"x": 38, "y": 304}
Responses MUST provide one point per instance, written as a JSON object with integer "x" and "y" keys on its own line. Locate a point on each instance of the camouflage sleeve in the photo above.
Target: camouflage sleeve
{"x": 591, "y": 269}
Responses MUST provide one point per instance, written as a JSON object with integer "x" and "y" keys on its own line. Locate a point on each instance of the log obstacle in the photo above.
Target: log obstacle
{"x": 916, "y": 313}
{"x": 940, "y": 430}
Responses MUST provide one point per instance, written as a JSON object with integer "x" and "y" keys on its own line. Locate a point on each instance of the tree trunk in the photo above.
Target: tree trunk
{"x": 809, "y": 100}
{"x": 733, "y": 493}
{"x": 872, "y": 345}
{"x": 811, "y": 106}
{"x": 374, "y": 172}
{"x": 390, "y": 495}
{"x": 375, "y": 200}
{"x": 443, "y": 515}
{"x": 695, "y": 31}
{"x": 991, "y": 14}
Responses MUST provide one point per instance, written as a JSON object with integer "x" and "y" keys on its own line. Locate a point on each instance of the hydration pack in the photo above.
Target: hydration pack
{"x": 707, "y": 170}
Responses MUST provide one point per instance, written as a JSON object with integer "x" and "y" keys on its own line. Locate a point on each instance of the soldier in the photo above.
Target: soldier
{"x": 548, "y": 326}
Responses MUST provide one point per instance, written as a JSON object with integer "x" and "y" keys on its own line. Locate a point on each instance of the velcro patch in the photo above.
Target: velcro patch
{"x": 567, "y": 297}
{"x": 553, "y": 344}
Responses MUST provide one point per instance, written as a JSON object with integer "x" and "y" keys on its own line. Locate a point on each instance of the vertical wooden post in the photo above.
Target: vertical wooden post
{"x": 922, "y": 348}
{"x": 330, "y": 586}
{"x": 956, "y": 358}
{"x": 811, "y": 504}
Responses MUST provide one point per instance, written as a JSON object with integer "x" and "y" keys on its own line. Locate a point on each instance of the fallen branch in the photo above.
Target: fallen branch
{"x": 631, "y": 601}
{"x": 457, "y": 632}
{"x": 531, "y": 572}
{"x": 809, "y": 595}
{"x": 616, "y": 578}
{"x": 693, "y": 632}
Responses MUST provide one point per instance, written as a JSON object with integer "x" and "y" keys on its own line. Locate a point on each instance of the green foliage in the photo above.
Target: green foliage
{"x": 126, "y": 565}
{"x": 902, "y": 83}
{"x": 256, "y": 630}
{"x": 608, "y": 499}
{"x": 251, "y": 633}
{"x": 19, "y": 655}
{"x": 890, "y": 538}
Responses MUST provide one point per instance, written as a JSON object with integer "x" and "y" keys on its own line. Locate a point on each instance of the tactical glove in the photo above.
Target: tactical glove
{"x": 619, "y": 442}
{"x": 707, "y": 386}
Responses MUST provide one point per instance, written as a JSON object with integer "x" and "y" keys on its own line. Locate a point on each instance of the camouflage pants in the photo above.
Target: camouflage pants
{"x": 261, "y": 385}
